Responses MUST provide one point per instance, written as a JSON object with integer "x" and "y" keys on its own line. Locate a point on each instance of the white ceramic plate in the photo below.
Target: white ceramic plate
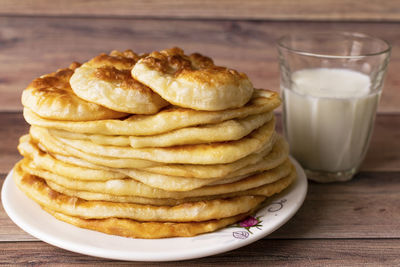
{"x": 31, "y": 218}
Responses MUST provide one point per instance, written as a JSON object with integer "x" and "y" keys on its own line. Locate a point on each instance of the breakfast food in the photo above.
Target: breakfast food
{"x": 193, "y": 81}
{"x": 225, "y": 131}
{"x": 167, "y": 119}
{"x": 107, "y": 81}
{"x": 172, "y": 145}
{"x": 51, "y": 97}
{"x": 220, "y": 152}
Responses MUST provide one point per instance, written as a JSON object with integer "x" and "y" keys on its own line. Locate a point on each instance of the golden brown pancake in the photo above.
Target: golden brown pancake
{"x": 209, "y": 133}
{"x": 74, "y": 156}
{"x": 106, "y": 80}
{"x": 38, "y": 190}
{"x": 193, "y": 81}
{"x": 51, "y": 97}
{"x": 92, "y": 172}
{"x": 44, "y": 160}
{"x": 135, "y": 229}
{"x": 166, "y": 120}
{"x": 213, "y": 153}
{"x": 266, "y": 190}
{"x": 130, "y": 187}
{"x": 151, "y": 146}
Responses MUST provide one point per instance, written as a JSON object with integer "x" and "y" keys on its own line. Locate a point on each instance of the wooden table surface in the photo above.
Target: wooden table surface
{"x": 343, "y": 224}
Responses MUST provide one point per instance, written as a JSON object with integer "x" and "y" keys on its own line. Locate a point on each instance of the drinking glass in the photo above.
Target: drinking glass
{"x": 331, "y": 83}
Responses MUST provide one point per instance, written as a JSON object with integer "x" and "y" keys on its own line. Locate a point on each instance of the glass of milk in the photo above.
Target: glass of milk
{"x": 331, "y": 84}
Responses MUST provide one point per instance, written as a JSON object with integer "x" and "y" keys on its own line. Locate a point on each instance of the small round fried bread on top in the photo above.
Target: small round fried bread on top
{"x": 50, "y": 96}
{"x": 106, "y": 80}
{"x": 193, "y": 81}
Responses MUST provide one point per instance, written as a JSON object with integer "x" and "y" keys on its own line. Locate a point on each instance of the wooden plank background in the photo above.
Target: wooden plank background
{"x": 32, "y": 44}
{"x": 263, "y": 253}
{"x": 346, "y": 223}
{"x": 360, "y": 10}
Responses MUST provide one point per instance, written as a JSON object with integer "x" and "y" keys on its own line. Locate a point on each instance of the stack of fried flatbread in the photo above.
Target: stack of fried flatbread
{"x": 150, "y": 146}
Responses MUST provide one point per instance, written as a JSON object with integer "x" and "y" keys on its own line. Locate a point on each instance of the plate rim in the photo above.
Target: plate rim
{"x": 158, "y": 256}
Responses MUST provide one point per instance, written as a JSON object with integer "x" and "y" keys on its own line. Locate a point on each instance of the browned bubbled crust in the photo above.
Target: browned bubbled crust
{"x": 174, "y": 61}
{"x": 54, "y": 83}
{"x": 51, "y": 96}
{"x": 117, "y": 59}
{"x": 116, "y": 68}
{"x": 113, "y": 67}
{"x": 74, "y": 65}
{"x": 122, "y": 77}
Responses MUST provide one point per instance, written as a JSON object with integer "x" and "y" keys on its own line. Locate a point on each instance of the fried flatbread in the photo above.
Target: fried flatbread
{"x": 37, "y": 189}
{"x": 47, "y": 143}
{"x": 73, "y": 156}
{"x": 213, "y": 153}
{"x": 107, "y": 81}
{"x": 148, "y": 230}
{"x": 266, "y": 190}
{"x": 166, "y": 120}
{"x": 51, "y": 97}
{"x": 260, "y": 160}
{"x": 209, "y": 133}
{"x": 168, "y": 183}
{"x": 193, "y": 81}
{"x": 45, "y": 161}
{"x": 131, "y": 187}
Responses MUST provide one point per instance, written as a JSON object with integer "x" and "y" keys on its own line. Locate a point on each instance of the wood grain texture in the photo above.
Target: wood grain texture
{"x": 384, "y": 151}
{"x": 366, "y": 10}
{"x": 8, "y": 230}
{"x": 369, "y": 252}
{"x": 383, "y": 154}
{"x": 32, "y": 46}
{"x": 12, "y": 127}
{"x": 342, "y": 224}
{"x": 365, "y": 207}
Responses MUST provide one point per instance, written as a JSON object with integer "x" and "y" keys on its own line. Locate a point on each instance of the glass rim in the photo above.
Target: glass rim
{"x": 280, "y": 44}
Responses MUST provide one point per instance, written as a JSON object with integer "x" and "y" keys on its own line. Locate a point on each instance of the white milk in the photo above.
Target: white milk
{"x": 329, "y": 118}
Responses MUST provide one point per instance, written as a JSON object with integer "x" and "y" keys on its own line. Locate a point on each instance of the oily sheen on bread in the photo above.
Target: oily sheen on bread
{"x": 151, "y": 145}
{"x": 208, "y": 133}
{"x": 136, "y": 229}
{"x": 167, "y": 119}
{"x": 193, "y": 81}
{"x": 221, "y": 152}
{"x": 107, "y": 81}
{"x": 37, "y": 189}
{"x": 51, "y": 97}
